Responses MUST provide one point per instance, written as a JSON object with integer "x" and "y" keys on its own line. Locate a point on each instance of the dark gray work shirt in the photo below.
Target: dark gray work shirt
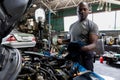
{"x": 81, "y": 30}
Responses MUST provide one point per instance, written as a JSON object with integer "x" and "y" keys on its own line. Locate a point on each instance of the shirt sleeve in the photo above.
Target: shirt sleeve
{"x": 94, "y": 29}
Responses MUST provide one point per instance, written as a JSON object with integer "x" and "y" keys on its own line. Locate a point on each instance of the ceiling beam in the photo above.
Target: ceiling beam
{"x": 74, "y": 3}
{"x": 67, "y": 3}
{"x": 48, "y": 7}
{"x": 112, "y": 1}
{"x": 56, "y": 5}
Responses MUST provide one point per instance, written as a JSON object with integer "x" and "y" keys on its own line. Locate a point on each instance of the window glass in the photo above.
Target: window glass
{"x": 104, "y": 20}
{"x": 70, "y": 20}
{"x": 118, "y": 20}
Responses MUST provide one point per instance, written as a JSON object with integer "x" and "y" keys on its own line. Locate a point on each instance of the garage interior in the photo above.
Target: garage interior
{"x": 56, "y": 10}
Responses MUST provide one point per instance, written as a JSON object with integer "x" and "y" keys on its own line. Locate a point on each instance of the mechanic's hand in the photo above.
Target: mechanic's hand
{"x": 84, "y": 48}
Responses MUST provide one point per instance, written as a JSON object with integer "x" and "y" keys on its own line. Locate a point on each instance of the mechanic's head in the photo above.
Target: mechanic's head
{"x": 82, "y": 10}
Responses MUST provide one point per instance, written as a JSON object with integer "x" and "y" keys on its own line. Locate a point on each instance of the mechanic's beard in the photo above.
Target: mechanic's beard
{"x": 81, "y": 18}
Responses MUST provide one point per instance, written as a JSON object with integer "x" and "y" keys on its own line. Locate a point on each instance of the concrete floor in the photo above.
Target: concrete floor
{"x": 109, "y": 72}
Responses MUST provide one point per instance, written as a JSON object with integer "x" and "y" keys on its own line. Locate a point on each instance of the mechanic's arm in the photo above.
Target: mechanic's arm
{"x": 63, "y": 41}
{"x": 93, "y": 40}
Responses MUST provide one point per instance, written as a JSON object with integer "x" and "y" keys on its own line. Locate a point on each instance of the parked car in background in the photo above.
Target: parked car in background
{"x": 18, "y": 39}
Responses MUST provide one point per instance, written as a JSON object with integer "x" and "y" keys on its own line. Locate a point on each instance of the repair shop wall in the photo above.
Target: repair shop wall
{"x": 57, "y": 23}
{"x": 57, "y": 20}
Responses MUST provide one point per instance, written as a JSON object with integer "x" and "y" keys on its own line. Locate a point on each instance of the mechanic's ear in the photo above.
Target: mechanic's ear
{"x": 90, "y": 8}
{"x": 90, "y": 11}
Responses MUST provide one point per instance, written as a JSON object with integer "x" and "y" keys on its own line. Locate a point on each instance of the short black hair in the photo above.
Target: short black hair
{"x": 83, "y": 3}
